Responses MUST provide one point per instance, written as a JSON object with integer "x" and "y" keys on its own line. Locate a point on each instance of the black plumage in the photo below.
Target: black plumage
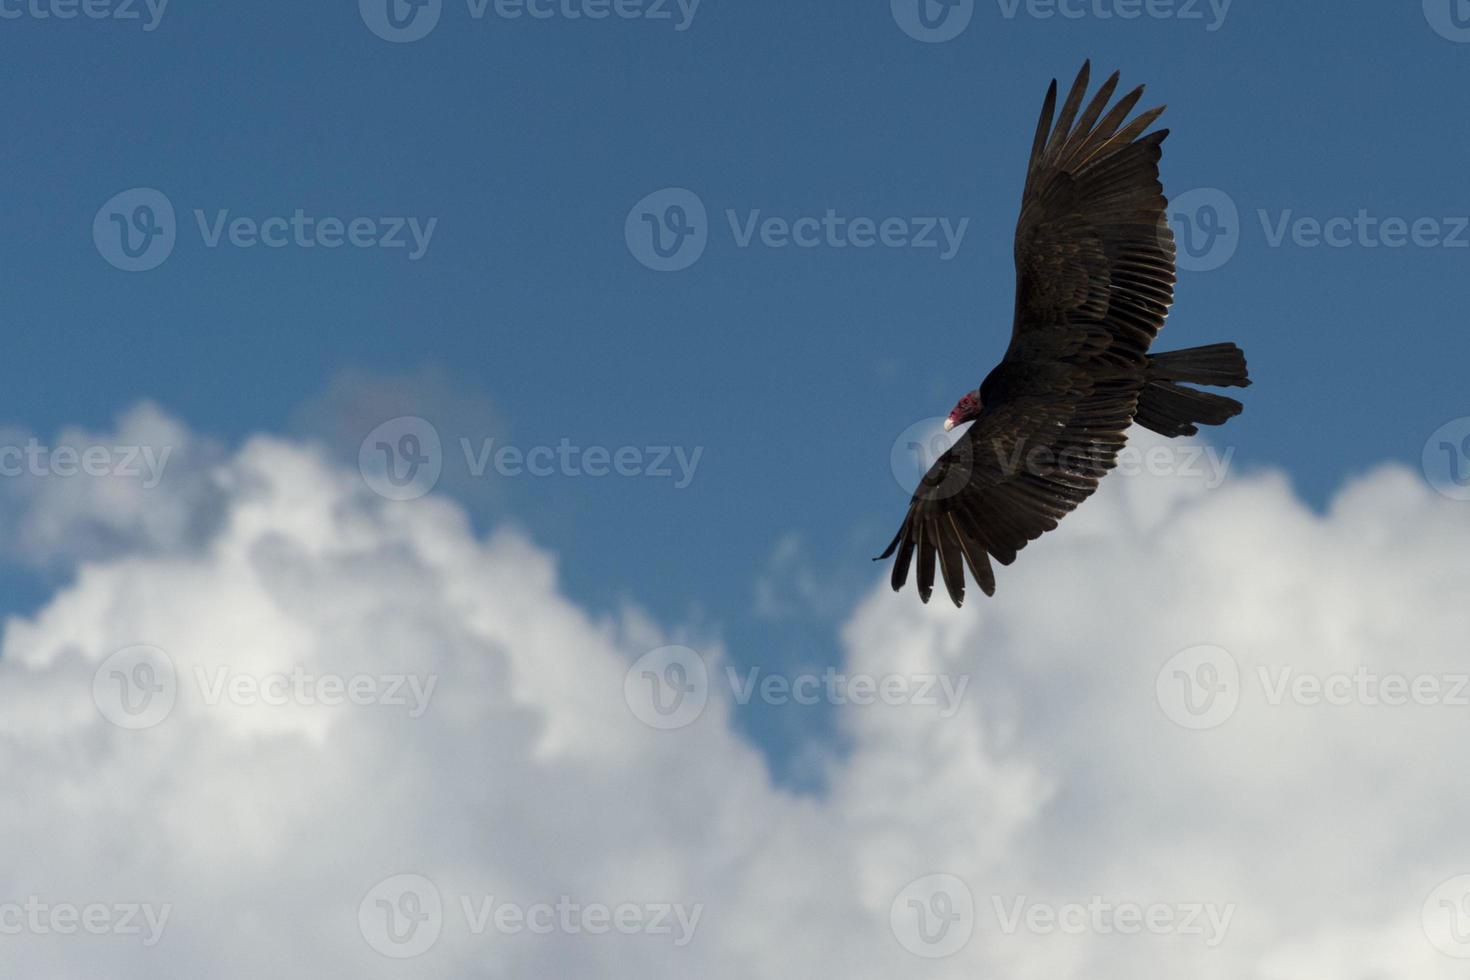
{"x": 1095, "y": 278}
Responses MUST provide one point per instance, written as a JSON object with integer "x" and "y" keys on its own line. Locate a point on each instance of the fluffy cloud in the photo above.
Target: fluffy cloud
{"x": 91, "y": 495}
{"x": 1087, "y": 772}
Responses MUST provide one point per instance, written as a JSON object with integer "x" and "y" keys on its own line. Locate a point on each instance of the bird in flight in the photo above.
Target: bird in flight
{"x": 1094, "y": 281}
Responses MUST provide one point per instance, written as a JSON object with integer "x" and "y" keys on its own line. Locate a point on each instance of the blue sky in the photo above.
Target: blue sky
{"x": 528, "y": 320}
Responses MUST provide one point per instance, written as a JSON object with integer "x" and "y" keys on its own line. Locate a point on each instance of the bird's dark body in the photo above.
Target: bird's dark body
{"x": 1094, "y": 282}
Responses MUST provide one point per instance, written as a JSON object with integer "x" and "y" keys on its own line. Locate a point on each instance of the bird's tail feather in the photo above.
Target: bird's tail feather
{"x": 1171, "y": 409}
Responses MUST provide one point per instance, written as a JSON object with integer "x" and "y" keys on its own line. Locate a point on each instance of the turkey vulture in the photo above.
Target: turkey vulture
{"x": 1094, "y": 280}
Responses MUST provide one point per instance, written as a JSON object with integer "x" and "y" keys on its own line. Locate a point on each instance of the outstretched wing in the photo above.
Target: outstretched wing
{"x": 1093, "y": 249}
{"x": 1094, "y": 280}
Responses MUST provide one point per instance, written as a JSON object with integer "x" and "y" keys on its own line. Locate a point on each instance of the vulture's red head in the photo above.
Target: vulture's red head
{"x": 967, "y": 409}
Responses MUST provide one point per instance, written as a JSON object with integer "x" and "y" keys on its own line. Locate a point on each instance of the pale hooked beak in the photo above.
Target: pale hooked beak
{"x": 948, "y": 424}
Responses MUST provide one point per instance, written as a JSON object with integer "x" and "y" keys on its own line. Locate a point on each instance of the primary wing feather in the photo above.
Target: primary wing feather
{"x": 1094, "y": 281}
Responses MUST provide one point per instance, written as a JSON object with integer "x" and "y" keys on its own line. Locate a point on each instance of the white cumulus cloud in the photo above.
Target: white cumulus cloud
{"x": 385, "y": 735}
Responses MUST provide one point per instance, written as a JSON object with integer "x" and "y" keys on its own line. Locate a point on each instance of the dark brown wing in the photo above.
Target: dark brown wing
{"x": 1094, "y": 280}
{"x": 1093, "y": 245}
